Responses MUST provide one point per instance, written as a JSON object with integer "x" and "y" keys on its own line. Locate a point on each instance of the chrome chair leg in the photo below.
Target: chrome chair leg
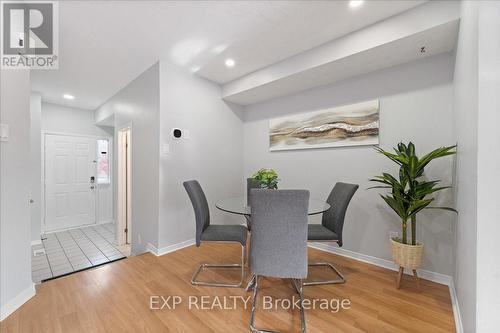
{"x": 251, "y": 283}
{"x": 221, "y": 284}
{"x": 254, "y": 329}
{"x": 299, "y": 287}
{"x": 341, "y": 278}
{"x": 248, "y": 221}
{"x": 297, "y": 284}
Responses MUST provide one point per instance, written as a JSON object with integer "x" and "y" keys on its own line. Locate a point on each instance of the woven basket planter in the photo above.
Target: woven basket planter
{"x": 407, "y": 256}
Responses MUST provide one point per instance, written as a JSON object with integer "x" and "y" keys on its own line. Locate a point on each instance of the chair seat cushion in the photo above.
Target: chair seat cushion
{"x": 320, "y": 232}
{"x": 225, "y": 233}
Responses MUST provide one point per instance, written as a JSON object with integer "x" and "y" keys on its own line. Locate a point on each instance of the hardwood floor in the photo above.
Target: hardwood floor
{"x": 116, "y": 298}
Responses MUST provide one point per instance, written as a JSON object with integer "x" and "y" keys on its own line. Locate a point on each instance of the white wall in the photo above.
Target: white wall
{"x": 212, "y": 155}
{"x": 16, "y": 286}
{"x": 36, "y": 166}
{"x": 415, "y": 104}
{"x": 62, "y": 119}
{"x": 465, "y": 132}
{"x": 137, "y": 105}
{"x": 488, "y": 182}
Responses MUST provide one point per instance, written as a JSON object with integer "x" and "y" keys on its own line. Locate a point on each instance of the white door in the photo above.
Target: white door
{"x": 70, "y": 174}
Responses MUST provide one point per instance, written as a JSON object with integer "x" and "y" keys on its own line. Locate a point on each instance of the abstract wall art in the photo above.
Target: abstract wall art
{"x": 348, "y": 125}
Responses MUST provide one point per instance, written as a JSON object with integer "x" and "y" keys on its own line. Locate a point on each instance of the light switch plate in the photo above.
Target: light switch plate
{"x": 165, "y": 149}
{"x": 4, "y": 132}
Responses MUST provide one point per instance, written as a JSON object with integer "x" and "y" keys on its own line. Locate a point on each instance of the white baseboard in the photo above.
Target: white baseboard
{"x": 456, "y": 309}
{"x": 36, "y": 242}
{"x": 106, "y": 222}
{"x": 168, "y": 249}
{"x": 424, "y": 274}
{"x": 75, "y": 227}
{"x": 19, "y": 300}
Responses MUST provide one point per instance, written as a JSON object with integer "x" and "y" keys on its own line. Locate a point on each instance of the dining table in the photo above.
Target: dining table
{"x": 238, "y": 205}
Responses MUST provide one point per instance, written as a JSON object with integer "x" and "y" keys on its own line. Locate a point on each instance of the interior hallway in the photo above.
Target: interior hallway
{"x": 69, "y": 251}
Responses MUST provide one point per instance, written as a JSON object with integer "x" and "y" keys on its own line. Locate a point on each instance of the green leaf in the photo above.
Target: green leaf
{"x": 443, "y": 208}
{"x": 417, "y": 205}
{"x": 396, "y": 158}
{"x": 436, "y": 153}
{"x": 368, "y": 188}
{"x": 396, "y": 206}
{"x": 413, "y": 166}
{"x": 411, "y": 149}
{"x": 419, "y": 194}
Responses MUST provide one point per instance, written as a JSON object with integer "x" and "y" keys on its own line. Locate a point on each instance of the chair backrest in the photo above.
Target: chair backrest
{"x": 279, "y": 233}
{"x": 339, "y": 199}
{"x": 251, "y": 184}
{"x": 200, "y": 206}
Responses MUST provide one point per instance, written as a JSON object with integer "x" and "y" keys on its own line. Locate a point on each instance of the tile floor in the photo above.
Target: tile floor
{"x": 73, "y": 250}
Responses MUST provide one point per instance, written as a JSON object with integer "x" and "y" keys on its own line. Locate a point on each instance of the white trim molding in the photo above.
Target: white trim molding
{"x": 424, "y": 274}
{"x": 168, "y": 249}
{"x": 36, "y": 242}
{"x": 104, "y": 222}
{"x": 456, "y": 309}
{"x": 17, "y": 301}
{"x": 384, "y": 263}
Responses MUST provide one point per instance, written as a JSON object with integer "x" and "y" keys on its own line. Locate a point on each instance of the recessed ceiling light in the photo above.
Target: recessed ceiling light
{"x": 68, "y": 96}
{"x": 229, "y": 62}
{"x": 219, "y": 48}
{"x": 194, "y": 69}
{"x": 355, "y": 3}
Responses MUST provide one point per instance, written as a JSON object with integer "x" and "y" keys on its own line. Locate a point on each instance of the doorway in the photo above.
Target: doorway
{"x": 78, "y": 231}
{"x": 70, "y": 194}
{"x": 124, "y": 209}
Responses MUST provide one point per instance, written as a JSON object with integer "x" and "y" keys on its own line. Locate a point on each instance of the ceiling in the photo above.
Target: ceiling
{"x": 437, "y": 40}
{"x": 425, "y": 31}
{"x": 105, "y": 45}
{"x": 295, "y": 29}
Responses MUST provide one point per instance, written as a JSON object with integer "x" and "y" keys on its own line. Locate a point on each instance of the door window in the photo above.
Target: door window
{"x": 103, "y": 162}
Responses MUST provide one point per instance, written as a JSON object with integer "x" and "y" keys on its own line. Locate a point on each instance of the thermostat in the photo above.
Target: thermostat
{"x": 176, "y": 133}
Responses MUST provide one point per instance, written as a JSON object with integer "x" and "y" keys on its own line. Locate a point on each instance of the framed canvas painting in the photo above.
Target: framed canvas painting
{"x": 348, "y": 125}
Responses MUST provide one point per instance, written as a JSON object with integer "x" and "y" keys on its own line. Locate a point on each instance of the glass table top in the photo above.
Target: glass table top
{"x": 238, "y": 205}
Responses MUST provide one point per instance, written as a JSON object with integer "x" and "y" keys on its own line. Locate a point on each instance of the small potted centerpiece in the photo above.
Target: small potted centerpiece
{"x": 410, "y": 193}
{"x": 266, "y": 178}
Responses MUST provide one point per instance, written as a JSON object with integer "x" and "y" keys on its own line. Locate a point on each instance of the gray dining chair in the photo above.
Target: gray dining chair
{"x": 332, "y": 224}
{"x": 279, "y": 240}
{"x": 205, "y": 232}
{"x": 251, "y": 184}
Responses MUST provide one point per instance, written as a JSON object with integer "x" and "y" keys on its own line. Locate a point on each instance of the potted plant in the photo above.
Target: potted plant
{"x": 409, "y": 194}
{"x": 267, "y": 178}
